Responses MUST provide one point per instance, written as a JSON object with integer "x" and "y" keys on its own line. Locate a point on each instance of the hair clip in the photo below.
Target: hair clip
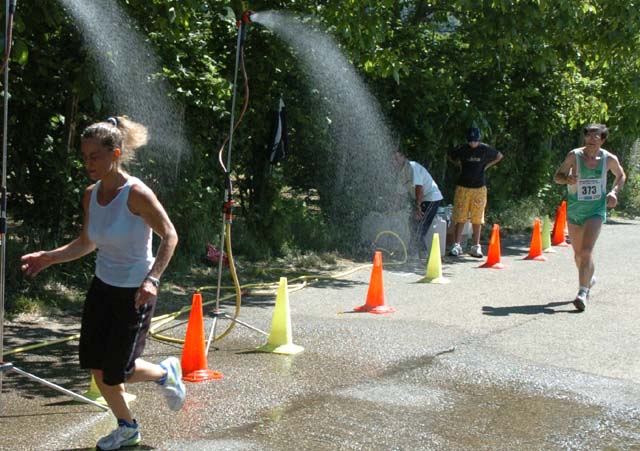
{"x": 113, "y": 121}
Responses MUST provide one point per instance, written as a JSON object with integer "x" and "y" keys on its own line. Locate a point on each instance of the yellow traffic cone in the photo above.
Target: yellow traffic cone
{"x": 280, "y": 341}
{"x": 546, "y": 236}
{"x": 94, "y": 394}
{"x": 434, "y": 264}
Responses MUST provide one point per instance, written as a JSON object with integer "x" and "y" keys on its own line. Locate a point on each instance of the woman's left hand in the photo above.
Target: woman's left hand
{"x": 146, "y": 293}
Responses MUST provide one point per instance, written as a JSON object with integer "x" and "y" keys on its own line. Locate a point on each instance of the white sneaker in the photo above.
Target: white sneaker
{"x": 124, "y": 435}
{"x": 456, "y": 250}
{"x": 173, "y": 387}
{"x": 476, "y": 251}
{"x": 581, "y": 299}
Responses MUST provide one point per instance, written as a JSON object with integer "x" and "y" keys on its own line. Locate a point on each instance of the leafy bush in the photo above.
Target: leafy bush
{"x": 629, "y": 198}
{"x": 518, "y": 215}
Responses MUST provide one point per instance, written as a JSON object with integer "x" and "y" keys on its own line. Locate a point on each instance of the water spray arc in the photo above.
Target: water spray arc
{"x": 227, "y": 207}
{"x": 7, "y": 366}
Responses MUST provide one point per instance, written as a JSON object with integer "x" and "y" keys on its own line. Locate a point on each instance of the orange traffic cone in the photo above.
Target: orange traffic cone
{"x": 493, "y": 256}
{"x": 375, "y": 295}
{"x": 434, "y": 265}
{"x": 280, "y": 337}
{"x": 560, "y": 225}
{"x": 194, "y": 358}
{"x": 535, "y": 248}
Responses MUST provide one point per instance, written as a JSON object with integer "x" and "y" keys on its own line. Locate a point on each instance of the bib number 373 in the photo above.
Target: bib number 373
{"x": 589, "y": 189}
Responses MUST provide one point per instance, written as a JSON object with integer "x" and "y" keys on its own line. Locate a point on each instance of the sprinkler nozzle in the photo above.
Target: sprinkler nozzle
{"x": 243, "y": 22}
{"x": 246, "y": 16}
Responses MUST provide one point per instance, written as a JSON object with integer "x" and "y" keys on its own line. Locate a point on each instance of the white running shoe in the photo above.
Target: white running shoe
{"x": 456, "y": 250}
{"x": 125, "y": 434}
{"x": 476, "y": 251}
{"x": 173, "y": 387}
{"x": 581, "y": 299}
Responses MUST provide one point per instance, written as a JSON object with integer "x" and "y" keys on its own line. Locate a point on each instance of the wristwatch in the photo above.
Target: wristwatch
{"x": 155, "y": 282}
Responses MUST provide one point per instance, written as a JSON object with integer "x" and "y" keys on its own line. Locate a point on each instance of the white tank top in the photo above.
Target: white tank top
{"x": 122, "y": 238}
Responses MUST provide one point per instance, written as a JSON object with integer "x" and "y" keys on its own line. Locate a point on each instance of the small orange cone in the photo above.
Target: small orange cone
{"x": 493, "y": 256}
{"x": 535, "y": 248}
{"x": 194, "y": 359}
{"x": 280, "y": 337}
{"x": 434, "y": 265}
{"x": 375, "y": 294}
{"x": 560, "y": 225}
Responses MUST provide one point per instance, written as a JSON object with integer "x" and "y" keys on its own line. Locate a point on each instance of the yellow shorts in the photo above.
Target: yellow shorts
{"x": 469, "y": 202}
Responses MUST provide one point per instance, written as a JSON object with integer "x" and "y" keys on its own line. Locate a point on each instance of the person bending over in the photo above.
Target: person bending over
{"x": 425, "y": 195}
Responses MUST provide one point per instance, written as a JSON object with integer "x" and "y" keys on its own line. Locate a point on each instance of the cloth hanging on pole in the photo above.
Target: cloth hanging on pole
{"x": 278, "y": 145}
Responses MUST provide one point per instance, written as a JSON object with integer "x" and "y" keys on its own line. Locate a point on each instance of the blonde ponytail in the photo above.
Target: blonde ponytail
{"x": 119, "y": 132}
{"x": 134, "y": 134}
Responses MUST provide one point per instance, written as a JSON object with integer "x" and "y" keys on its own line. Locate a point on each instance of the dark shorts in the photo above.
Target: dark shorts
{"x": 113, "y": 332}
{"x": 421, "y": 226}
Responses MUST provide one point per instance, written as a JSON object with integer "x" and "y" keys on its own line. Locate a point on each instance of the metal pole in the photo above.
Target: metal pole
{"x": 227, "y": 193}
{"x": 9, "y": 366}
{"x": 3, "y": 201}
{"x": 227, "y": 215}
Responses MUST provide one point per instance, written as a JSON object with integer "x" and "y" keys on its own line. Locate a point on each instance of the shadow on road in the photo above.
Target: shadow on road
{"x": 93, "y": 448}
{"x": 546, "y": 309}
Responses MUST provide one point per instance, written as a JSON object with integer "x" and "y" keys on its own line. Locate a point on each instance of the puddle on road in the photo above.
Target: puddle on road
{"x": 400, "y": 415}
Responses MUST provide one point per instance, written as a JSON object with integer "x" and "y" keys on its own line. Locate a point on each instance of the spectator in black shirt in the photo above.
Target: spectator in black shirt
{"x": 470, "y": 198}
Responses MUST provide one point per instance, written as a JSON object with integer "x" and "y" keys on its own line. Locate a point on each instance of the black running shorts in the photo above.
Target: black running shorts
{"x": 113, "y": 332}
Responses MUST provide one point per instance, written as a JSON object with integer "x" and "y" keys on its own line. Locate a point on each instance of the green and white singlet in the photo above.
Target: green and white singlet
{"x": 588, "y": 198}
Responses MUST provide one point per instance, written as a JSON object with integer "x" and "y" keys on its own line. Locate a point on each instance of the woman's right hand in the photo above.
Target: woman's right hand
{"x": 35, "y": 262}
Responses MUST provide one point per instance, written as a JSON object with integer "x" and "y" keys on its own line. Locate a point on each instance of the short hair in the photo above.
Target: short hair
{"x": 600, "y": 128}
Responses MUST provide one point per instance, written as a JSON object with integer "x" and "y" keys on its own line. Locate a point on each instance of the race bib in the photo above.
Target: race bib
{"x": 589, "y": 189}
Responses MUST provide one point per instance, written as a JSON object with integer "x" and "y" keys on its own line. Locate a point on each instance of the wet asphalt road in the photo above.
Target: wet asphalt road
{"x": 496, "y": 359}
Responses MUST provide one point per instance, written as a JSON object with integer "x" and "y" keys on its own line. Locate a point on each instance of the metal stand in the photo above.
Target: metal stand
{"x": 227, "y": 215}
{"x": 217, "y": 313}
{"x": 5, "y": 366}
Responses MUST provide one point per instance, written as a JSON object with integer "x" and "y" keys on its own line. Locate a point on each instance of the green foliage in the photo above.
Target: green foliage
{"x": 629, "y": 198}
{"x": 56, "y": 289}
{"x": 518, "y": 215}
{"x": 293, "y": 224}
{"x": 529, "y": 73}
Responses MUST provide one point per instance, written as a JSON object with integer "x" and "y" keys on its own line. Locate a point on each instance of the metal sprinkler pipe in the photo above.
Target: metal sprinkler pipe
{"x": 225, "y": 236}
